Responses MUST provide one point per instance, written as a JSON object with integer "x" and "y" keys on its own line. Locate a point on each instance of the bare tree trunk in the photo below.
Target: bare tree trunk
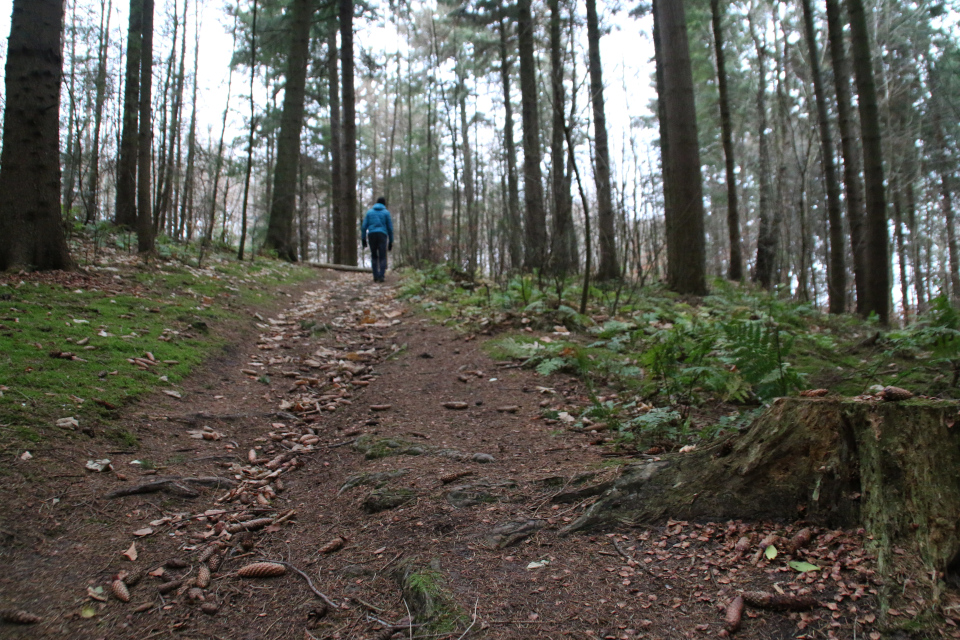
{"x": 31, "y": 233}
{"x": 349, "y": 140}
{"x": 125, "y": 213}
{"x": 837, "y": 277}
{"x": 848, "y": 146}
{"x": 561, "y": 258}
{"x": 951, "y": 224}
{"x": 735, "y": 267}
{"x": 253, "y": 130}
{"x": 336, "y": 144}
{"x": 468, "y": 185}
{"x": 145, "y": 237}
{"x": 901, "y": 248}
{"x": 608, "y": 269}
{"x": 877, "y": 289}
{"x": 74, "y": 150}
{"x": 686, "y": 250}
{"x": 766, "y": 238}
{"x": 186, "y": 203}
{"x": 535, "y": 232}
{"x": 218, "y": 161}
{"x": 282, "y": 207}
{"x": 514, "y": 222}
{"x": 167, "y": 174}
{"x": 92, "y": 199}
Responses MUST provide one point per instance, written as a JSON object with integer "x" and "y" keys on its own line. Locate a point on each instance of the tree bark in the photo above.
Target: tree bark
{"x": 91, "y": 198}
{"x": 837, "y": 277}
{"x": 252, "y": 133}
{"x": 876, "y": 259}
{"x": 349, "y": 141}
{"x": 468, "y": 184}
{"x": 514, "y": 221}
{"x": 836, "y": 463}
{"x": 336, "y": 144}
{"x": 848, "y": 146}
{"x": 735, "y": 266}
{"x": 186, "y": 203}
{"x": 280, "y": 229}
{"x": 125, "y": 214}
{"x": 766, "y": 237}
{"x": 561, "y": 257}
{"x": 145, "y": 236}
{"x": 686, "y": 246}
{"x": 608, "y": 267}
{"x": 31, "y": 232}
{"x": 535, "y": 231}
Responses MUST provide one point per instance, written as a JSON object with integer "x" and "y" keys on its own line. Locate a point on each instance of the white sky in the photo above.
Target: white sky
{"x": 626, "y": 51}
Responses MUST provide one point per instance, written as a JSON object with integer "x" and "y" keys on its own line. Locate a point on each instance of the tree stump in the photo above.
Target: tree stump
{"x": 890, "y": 467}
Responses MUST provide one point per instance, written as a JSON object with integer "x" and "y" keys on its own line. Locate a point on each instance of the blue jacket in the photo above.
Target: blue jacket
{"x": 377, "y": 220}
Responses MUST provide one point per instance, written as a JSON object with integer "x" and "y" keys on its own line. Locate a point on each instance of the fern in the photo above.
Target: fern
{"x": 757, "y": 349}
{"x": 551, "y": 365}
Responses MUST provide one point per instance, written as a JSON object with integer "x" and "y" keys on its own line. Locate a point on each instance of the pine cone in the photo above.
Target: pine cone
{"x": 131, "y": 579}
{"x": 209, "y": 608}
{"x": 167, "y": 587}
{"x": 333, "y": 545}
{"x": 195, "y": 594}
{"x": 176, "y": 563}
{"x": 208, "y": 552}
{"x": 215, "y": 561}
{"x": 249, "y": 525}
{"x": 895, "y": 394}
{"x": 18, "y": 616}
{"x": 203, "y": 576}
{"x": 262, "y": 570}
{"x": 120, "y": 591}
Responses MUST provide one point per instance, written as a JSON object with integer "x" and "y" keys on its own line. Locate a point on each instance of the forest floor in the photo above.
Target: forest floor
{"x": 401, "y": 473}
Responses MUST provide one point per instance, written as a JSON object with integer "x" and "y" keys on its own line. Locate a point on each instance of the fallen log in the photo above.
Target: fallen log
{"x": 889, "y": 467}
{"x": 338, "y": 267}
{"x": 176, "y": 486}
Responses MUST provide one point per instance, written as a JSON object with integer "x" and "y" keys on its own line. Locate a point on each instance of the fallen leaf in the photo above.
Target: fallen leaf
{"x": 802, "y": 567}
{"x": 131, "y": 553}
{"x": 143, "y": 532}
{"x": 96, "y": 593}
{"x": 172, "y": 394}
{"x": 770, "y": 553}
{"x": 68, "y": 423}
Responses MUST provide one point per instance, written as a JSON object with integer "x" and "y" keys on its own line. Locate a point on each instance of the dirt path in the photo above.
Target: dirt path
{"x": 330, "y": 425}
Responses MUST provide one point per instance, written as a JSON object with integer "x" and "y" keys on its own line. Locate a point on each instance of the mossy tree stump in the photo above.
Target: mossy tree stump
{"x": 890, "y": 467}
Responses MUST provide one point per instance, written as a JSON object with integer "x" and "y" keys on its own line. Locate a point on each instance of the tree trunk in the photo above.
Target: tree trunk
{"x": 253, "y": 130}
{"x": 145, "y": 138}
{"x": 686, "y": 250}
{"x": 125, "y": 214}
{"x": 336, "y": 144}
{"x": 876, "y": 259}
{"x": 31, "y": 233}
{"x": 535, "y": 232}
{"x": 766, "y": 237}
{"x": 848, "y": 146}
{"x": 468, "y": 185}
{"x": 218, "y": 160}
{"x": 74, "y": 151}
{"x": 735, "y": 267}
{"x": 835, "y": 463}
{"x": 514, "y": 222}
{"x": 280, "y": 229}
{"x": 837, "y": 277}
{"x": 562, "y": 258}
{"x": 165, "y": 198}
{"x": 952, "y": 252}
{"x": 608, "y": 267}
{"x": 186, "y": 203}
{"x": 349, "y": 141}
{"x": 91, "y": 200}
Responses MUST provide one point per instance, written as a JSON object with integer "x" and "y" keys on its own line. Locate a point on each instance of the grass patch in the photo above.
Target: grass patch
{"x": 69, "y": 343}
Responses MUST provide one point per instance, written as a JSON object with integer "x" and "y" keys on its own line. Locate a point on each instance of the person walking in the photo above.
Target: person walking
{"x": 378, "y": 230}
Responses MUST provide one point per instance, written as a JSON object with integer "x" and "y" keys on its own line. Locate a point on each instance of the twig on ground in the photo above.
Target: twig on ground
{"x": 330, "y": 603}
{"x": 473, "y": 621}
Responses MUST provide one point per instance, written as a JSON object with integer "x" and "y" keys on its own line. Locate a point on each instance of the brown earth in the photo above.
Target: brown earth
{"x": 465, "y": 516}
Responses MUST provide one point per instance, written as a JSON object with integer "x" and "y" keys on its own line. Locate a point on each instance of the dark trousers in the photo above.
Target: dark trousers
{"x": 378, "y": 254}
